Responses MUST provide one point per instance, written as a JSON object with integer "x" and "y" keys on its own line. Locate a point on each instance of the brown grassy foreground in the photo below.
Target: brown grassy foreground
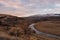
{"x": 26, "y": 36}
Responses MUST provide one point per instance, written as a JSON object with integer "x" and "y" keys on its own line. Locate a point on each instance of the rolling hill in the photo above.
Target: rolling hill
{"x": 17, "y": 28}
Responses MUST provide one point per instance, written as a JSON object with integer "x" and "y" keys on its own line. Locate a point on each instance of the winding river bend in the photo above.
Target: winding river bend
{"x": 42, "y": 33}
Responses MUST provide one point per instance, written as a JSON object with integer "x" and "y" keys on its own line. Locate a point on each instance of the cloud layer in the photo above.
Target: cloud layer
{"x": 29, "y": 7}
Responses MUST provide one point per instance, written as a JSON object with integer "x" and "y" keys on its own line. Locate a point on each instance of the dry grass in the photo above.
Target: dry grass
{"x": 32, "y": 36}
{"x": 52, "y": 27}
{"x": 16, "y": 28}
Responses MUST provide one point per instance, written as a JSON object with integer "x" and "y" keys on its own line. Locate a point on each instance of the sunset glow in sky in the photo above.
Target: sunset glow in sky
{"x": 29, "y": 7}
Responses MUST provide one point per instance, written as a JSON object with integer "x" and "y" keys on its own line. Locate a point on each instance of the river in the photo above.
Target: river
{"x": 42, "y": 33}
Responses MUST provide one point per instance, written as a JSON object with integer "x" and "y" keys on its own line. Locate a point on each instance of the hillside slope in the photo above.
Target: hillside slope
{"x": 17, "y": 28}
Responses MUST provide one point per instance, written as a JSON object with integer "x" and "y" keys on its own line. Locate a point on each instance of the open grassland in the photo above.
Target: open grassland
{"x": 51, "y": 27}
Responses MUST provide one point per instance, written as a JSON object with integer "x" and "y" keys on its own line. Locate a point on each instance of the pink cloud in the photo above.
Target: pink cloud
{"x": 32, "y": 7}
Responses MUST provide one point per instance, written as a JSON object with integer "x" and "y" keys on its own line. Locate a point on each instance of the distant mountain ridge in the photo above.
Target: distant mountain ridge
{"x": 8, "y": 19}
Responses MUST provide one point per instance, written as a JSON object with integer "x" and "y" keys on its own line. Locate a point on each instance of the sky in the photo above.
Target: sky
{"x": 29, "y": 7}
